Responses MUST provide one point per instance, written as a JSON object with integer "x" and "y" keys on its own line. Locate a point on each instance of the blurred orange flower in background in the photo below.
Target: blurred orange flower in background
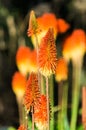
{"x": 62, "y": 25}
{"x": 40, "y": 113}
{"x": 61, "y": 70}
{"x": 18, "y": 84}
{"x": 46, "y": 21}
{"x": 26, "y": 60}
{"x": 47, "y": 55}
{"x": 22, "y": 59}
{"x": 74, "y": 45}
{"x": 32, "y": 67}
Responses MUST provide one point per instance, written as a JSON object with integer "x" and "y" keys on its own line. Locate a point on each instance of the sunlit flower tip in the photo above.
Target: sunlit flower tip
{"x": 32, "y": 93}
{"x": 18, "y": 84}
{"x": 84, "y": 106}
{"x": 33, "y": 25}
{"x": 22, "y": 59}
{"x": 22, "y": 127}
{"x": 62, "y": 25}
{"x": 74, "y": 45}
{"x": 47, "y": 55}
{"x": 40, "y": 113}
{"x": 61, "y": 70}
{"x": 46, "y": 21}
{"x": 33, "y": 62}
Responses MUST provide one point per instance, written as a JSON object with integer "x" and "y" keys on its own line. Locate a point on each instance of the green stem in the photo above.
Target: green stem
{"x": 51, "y": 92}
{"x": 64, "y": 122}
{"x": 47, "y": 95}
{"x": 43, "y": 86}
{"x": 39, "y": 75}
{"x": 75, "y": 93}
{"x": 20, "y": 106}
{"x": 23, "y": 115}
{"x": 25, "y": 120}
{"x": 59, "y": 105}
{"x": 32, "y": 118}
{"x": 62, "y": 102}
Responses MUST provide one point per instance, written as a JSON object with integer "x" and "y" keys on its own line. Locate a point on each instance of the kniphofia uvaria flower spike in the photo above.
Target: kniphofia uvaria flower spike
{"x": 32, "y": 92}
{"x": 47, "y": 56}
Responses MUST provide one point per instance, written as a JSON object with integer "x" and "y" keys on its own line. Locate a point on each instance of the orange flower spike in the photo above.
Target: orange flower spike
{"x": 47, "y": 57}
{"x": 84, "y": 106}
{"x": 46, "y": 21}
{"x": 33, "y": 25}
{"x": 40, "y": 113}
{"x": 74, "y": 45}
{"x": 18, "y": 84}
{"x": 22, "y": 59}
{"x": 61, "y": 70}
{"x": 63, "y": 26}
{"x": 32, "y": 91}
{"x": 22, "y": 127}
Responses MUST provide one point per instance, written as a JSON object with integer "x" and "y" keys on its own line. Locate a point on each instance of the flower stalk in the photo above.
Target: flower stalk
{"x": 64, "y": 122}
{"x": 32, "y": 118}
{"x": 47, "y": 95}
{"x": 75, "y": 92}
{"x": 51, "y": 95}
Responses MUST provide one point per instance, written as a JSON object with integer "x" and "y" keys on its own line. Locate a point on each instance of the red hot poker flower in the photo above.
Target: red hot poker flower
{"x": 33, "y": 25}
{"x": 18, "y": 84}
{"x": 22, "y": 59}
{"x": 32, "y": 91}
{"x": 22, "y": 127}
{"x": 40, "y": 113}
{"x": 46, "y": 21}
{"x": 61, "y": 70}
{"x": 74, "y": 45}
{"x": 63, "y": 26}
{"x": 26, "y": 60}
{"x": 32, "y": 67}
{"x": 47, "y": 57}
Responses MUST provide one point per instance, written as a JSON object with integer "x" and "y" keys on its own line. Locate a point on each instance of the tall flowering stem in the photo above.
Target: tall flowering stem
{"x": 75, "y": 93}
{"x": 62, "y": 119}
{"x": 47, "y": 59}
{"x": 64, "y": 122}
{"x": 61, "y": 77}
{"x": 47, "y": 95}
{"x": 18, "y": 86}
{"x": 32, "y": 95}
{"x": 51, "y": 96}
{"x": 33, "y": 30}
{"x": 32, "y": 117}
{"x": 74, "y": 49}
